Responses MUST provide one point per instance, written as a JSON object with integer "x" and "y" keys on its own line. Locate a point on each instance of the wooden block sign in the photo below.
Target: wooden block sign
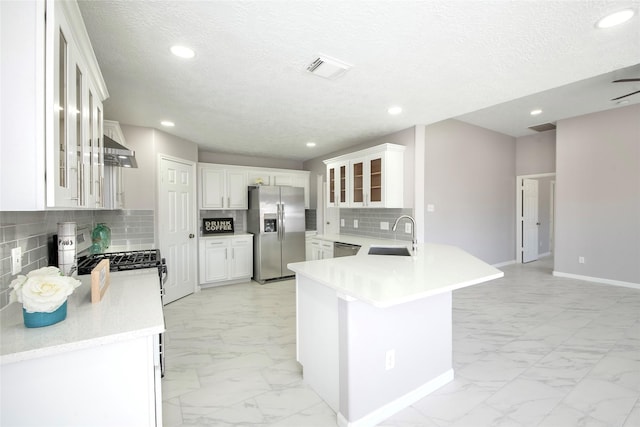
{"x": 100, "y": 280}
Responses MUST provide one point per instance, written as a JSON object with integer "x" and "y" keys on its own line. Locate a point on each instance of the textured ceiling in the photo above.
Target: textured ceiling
{"x": 247, "y": 91}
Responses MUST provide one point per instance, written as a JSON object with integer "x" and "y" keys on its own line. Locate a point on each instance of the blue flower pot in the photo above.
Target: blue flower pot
{"x": 38, "y": 319}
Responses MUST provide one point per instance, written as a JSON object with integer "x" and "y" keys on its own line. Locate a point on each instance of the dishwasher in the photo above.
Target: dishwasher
{"x": 344, "y": 249}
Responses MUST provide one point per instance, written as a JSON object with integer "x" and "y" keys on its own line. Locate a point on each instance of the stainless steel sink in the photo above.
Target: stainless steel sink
{"x": 389, "y": 250}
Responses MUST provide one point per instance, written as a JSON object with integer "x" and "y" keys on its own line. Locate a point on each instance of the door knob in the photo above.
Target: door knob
{"x": 191, "y": 235}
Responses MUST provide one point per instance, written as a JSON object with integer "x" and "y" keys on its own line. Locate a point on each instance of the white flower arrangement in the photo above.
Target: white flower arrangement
{"x": 43, "y": 290}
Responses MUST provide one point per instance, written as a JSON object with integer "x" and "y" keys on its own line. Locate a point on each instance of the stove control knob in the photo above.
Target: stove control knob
{"x": 191, "y": 236}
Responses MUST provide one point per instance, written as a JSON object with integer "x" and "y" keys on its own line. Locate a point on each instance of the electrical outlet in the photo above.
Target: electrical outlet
{"x": 581, "y": 259}
{"x": 384, "y": 225}
{"x": 431, "y": 207}
{"x": 407, "y": 227}
{"x": 341, "y": 222}
{"x": 355, "y": 223}
{"x": 390, "y": 359}
{"x": 16, "y": 260}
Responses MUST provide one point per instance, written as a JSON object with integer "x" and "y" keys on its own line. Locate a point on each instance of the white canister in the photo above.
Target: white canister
{"x": 66, "y": 247}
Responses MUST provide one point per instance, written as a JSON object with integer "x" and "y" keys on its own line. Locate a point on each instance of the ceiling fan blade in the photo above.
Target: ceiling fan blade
{"x": 626, "y": 80}
{"x": 624, "y": 96}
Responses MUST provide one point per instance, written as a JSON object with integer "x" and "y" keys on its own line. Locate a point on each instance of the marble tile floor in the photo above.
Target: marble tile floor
{"x": 530, "y": 349}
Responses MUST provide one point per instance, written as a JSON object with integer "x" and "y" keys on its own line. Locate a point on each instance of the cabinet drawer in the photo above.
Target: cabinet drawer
{"x": 242, "y": 241}
{"x": 209, "y": 243}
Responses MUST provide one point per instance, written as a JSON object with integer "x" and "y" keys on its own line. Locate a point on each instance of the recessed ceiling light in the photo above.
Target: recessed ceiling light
{"x": 311, "y": 144}
{"x": 616, "y": 18}
{"x": 395, "y": 110}
{"x": 183, "y": 52}
{"x": 167, "y": 123}
{"x": 536, "y": 112}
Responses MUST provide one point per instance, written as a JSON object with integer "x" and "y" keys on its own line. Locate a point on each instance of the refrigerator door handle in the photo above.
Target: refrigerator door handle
{"x": 283, "y": 219}
{"x": 279, "y": 221}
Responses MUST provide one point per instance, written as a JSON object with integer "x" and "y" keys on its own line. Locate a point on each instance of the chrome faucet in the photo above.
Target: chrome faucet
{"x": 414, "y": 242}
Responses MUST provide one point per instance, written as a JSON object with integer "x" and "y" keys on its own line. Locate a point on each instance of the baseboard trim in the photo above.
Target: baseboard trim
{"x": 393, "y": 407}
{"x": 503, "y": 264}
{"x": 597, "y": 280}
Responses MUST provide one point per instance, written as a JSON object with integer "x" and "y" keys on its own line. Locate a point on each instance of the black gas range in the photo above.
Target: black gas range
{"x": 122, "y": 261}
{"x": 126, "y": 261}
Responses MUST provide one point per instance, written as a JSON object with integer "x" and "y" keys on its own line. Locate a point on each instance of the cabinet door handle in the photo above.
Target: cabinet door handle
{"x": 222, "y": 201}
{"x": 226, "y": 253}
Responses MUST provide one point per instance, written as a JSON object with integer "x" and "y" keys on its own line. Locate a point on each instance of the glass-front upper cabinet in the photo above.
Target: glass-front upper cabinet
{"x": 373, "y": 177}
{"x": 94, "y": 164}
{"x": 338, "y": 185}
{"x": 52, "y": 54}
{"x": 367, "y": 181}
{"x": 75, "y": 152}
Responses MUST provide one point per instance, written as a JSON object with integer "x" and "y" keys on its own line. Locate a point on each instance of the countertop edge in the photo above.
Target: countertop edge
{"x": 79, "y": 345}
{"x": 436, "y": 269}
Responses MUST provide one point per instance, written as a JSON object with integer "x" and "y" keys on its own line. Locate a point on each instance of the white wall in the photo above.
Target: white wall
{"x": 598, "y": 195}
{"x": 536, "y": 154}
{"x": 470, "y": 180}
{"x": 240, "y": 160}
{"x": 140, "y": 183}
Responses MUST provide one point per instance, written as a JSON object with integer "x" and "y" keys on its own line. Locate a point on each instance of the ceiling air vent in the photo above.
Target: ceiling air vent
{"x": 543, "y": 127}
{"x": 327, "y": 67}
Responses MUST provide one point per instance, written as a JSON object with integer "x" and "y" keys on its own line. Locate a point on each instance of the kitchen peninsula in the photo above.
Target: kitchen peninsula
{"x": 374, "y": 332}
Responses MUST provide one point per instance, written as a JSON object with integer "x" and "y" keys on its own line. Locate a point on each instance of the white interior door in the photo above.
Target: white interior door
{"x": 529, "y": 220}
{"x": 176, "y": 225}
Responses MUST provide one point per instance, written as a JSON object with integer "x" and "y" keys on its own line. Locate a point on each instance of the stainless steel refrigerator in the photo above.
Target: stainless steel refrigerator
{"x": 276, "y": 219}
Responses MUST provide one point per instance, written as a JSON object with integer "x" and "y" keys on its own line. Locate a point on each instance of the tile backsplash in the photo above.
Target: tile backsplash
{"x": 310, "y": 219}
{"x": 369, "y": 223}
{"x": 130, "y": 230}
{"x": 33, "y": 232}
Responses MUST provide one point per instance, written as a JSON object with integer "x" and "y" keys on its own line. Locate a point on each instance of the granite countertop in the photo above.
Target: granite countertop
{"x": 385, "y": 281}
{"x": 130, "y": 308}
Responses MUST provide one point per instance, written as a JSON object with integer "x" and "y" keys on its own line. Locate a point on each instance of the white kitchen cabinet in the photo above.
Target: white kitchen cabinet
{"x": 285, "y": 177}
{"x": 75, "y": 168}
{"x": 214, "y": 260}
{"x": 374, "y": 178}
{"x": 52, "y": 81}
{"x": 225, "y": 259}
{"x": 321, "y": 249}
{"x": 337, "y": 184}
{"x": 222, "y": 187}
{"x": 241, "y": 257}
{"x": 100, "y": 367}
{"x": 309, "y": 237}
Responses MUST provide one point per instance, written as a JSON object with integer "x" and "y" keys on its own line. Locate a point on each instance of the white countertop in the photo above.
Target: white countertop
{"x": 224, "y": 235}
{"x": 385, "y": 281}
{"x": 130, "y": 308}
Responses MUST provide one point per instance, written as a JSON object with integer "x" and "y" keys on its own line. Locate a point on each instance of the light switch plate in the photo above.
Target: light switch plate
{"x": 16, "y": 260}
{"x": 341, "y": 222}
{"x": 355, "y": 223}
{"x": 407, "y": 227}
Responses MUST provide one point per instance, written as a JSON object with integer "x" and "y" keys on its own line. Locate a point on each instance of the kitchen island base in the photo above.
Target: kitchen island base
{"x": 369, "y": 362}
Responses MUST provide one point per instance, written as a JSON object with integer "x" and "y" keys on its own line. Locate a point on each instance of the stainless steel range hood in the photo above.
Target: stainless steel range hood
{"x": 116, "y": 154}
